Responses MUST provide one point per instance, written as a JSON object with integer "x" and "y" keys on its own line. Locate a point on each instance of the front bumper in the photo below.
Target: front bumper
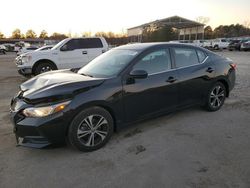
{"x": 232, "y": 47}
{"x": 38, "y": 132}
{"x": 25, "y": 71}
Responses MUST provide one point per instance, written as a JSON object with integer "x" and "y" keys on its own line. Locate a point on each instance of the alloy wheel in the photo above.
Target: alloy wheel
{"x": 92, "y": 130}
{"x": 217, "y": 96}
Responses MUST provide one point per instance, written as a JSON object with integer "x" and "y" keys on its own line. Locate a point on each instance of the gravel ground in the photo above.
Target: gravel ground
{"x": 190, "y": 148}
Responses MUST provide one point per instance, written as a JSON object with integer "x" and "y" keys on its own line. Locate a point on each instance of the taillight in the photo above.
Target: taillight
{"x": 233, "y": 65}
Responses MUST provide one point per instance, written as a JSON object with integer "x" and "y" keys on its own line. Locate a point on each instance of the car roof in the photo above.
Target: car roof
{"x": 144, "y": 46}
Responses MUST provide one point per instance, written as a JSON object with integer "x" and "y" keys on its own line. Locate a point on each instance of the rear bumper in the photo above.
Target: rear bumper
{"x": 245, "y": 47}
{"x": 232, "y": 79}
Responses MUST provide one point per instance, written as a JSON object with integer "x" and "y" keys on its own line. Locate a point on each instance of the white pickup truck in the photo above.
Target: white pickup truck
{"x": 220, "y": 43}
{"x": 69, "y": 53}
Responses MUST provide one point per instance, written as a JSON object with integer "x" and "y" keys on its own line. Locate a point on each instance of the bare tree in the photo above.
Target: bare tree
{"x": 203, "y": 19}
{"x": 246, "y": 23}
{"x": 87, "y": 34}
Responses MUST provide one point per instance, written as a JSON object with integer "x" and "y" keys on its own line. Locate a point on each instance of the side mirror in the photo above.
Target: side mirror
{"x": 65, "y": 48}
{"x": 138, "y": 74}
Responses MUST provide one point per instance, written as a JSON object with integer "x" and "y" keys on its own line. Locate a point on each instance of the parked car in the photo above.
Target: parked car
{"x": 19, "y": 45}
{"x": 9, "y": 47}
{"x": 3, "y": 49}
{"x": 220, "y": 43}
{"x": 245, "y": 46}
{"x": 202, "y": 43}
{"x": 198, "y": 43}
{"x": 24, "y": 50}
{"x": 69, "y": 53}
{"x": 124, "y": 85}
{"x": 233, "y": 45}
{"x": 207, "y": 44}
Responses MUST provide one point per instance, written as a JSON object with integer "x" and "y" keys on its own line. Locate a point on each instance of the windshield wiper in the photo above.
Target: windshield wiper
{"x": 87, "y": 75}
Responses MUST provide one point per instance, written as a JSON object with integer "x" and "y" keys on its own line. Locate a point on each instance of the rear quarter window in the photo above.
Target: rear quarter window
{"x": 185, "y": 57}
{"x": 201, "y": 55}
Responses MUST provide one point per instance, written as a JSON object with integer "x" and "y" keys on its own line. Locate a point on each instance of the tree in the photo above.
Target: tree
{"x": 2, "y": 36}
{"x": 57, "y": 36}
{"x": 43, "y": 34}
{"x": 30, "y": 34}
{"x": 231, "y": 31}
{"x": 16, "y": 34}
{"x": 159, "y": 34}
{"x": 101, "y": 34}
{"x": 208, "y": 32}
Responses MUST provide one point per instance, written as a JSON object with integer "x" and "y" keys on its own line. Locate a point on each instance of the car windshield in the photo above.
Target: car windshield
{"x": 108, "y": 64}
{"x": 58, "y": 44}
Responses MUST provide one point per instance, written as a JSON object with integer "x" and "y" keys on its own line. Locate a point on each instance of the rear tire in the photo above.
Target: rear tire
{"x": 91, "y": 129}
{"x": 216, "y": 97}
{"x": 44, "y": 67}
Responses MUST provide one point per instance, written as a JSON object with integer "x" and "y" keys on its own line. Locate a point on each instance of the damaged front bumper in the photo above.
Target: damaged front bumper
{"x": 37, "y": 132}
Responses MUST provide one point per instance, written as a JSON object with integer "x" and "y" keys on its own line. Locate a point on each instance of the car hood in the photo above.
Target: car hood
{"x": 56, "y": 85}
{"x": 40, "y": 52}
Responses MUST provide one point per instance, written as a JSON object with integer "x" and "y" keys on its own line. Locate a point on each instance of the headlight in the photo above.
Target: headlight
{"x": 26, "y": 59}
{"x": 44, "y": 111}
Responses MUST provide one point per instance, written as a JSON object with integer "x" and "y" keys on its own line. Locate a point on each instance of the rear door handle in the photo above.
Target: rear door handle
{"x": 171, "y": 79}
{"x": 84, "y": 52}
{"x": 210, "y": 70}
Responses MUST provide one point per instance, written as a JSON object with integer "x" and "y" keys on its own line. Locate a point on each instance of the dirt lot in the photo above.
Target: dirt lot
{"x": 191, "y": 148}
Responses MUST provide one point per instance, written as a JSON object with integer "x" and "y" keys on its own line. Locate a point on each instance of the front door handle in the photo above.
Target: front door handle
{"x": 84, "y": 52}
{"x": 210, "y": 70}
{"x": 171, "y": 79}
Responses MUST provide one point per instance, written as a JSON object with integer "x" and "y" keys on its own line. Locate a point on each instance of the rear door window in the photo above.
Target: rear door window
{"x": 185, "y": 57}
{"x": 90, "y": 43}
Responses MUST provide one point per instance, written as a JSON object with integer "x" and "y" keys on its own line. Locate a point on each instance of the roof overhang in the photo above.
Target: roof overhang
{"x": 174, "y": 21}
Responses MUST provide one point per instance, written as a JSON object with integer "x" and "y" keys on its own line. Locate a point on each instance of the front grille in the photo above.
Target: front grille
{"x": 19, "y": 61}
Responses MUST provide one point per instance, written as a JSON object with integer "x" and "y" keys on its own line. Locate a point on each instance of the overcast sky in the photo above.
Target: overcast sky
{"x": 77, "y": 16}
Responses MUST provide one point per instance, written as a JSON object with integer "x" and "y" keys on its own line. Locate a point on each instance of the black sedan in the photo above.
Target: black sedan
{"x": 234, "y": 45}
{"x": 123, "y": 85}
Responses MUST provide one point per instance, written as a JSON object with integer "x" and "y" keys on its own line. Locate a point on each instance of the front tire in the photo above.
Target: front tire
{"x": 216, "y": 47}
{"x": 44, "y": 67}
{"x": 216, "y": 97}
{"x": 91, "y": 129}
